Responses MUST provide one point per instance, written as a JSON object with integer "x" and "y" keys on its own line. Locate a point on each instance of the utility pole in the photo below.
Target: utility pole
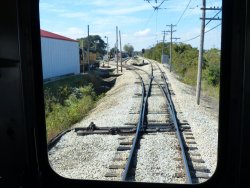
{"x": 200, "y": 60}
{"x": 82, "y": 58}
{"x": 88, "y": 48}
{"x": 176, "y": 38}
{"x": 171, "y": 40}
{"x": 162, "y": 50}
{"x": 120, "y": 48}
{"x": 116, "y": 46}
{"x": 107, "y": 49}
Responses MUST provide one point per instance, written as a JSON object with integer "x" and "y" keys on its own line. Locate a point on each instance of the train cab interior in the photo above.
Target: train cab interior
{"x": 22, "y": 120}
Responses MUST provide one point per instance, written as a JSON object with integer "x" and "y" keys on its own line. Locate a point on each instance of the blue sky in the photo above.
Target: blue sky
{"x": 139, "y": 24}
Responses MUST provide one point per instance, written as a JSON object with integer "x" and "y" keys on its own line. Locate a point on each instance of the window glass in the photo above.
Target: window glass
{"x": 131, "y": 88}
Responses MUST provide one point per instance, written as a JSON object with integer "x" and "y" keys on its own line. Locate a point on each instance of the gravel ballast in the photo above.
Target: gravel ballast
{"x": 202, "y": 118}
{"x": 88, "y": 157}
{"x": 83, "y": 157}
{"x": 155, "y": 159}
{"x": 113, "y": 109}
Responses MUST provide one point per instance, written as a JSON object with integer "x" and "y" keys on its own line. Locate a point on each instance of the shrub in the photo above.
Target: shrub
{"x": 67, "y": 101}
{"x": 191, "y": 76}
{"x": 62, "y": 117}
{"x": 212, "y": 74}
{"x": 185, "y": 62}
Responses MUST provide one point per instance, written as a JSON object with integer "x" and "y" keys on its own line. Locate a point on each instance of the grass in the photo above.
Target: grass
{"x": 212, "y": 91}
{"x": 208, "y": 89}
{"x": 68, "y": 100}
{"x": 190, "y": 78}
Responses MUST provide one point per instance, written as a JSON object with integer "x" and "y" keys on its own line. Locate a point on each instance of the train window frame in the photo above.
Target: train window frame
{"x": 87, "y": 179}
{"x": 29, "y": 42}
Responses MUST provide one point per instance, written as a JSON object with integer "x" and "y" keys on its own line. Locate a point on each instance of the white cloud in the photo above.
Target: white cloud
{"x": 142, "y": 33}
{"x": 125, "y": 35}
{"x": 102, "y": 3}
{"x": 78, "y": 15}
{"x": 71, "y": 18}
{"x": 123, "y": 11}
{"x": 73, "y": 32}
{"x": 120, "y": 4}
{"x": 109, "y": 23}
{"x": 49, "y": 7}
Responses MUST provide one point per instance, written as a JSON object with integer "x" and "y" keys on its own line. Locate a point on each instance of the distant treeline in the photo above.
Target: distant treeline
{"x": 185, "y": 63}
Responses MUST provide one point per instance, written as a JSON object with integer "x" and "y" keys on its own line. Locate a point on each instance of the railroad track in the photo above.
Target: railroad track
{"x": 153, "y": 120}
{"x": 193, "y": 168}
{"x": 160, "y": 118}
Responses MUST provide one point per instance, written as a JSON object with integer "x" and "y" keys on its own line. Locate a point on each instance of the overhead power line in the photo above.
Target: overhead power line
{"x": 191, "y": 38}
{"x": 161, "y": 3}
{"x": 183, "y": 12}
{"x": 213, "y": 28}
{"x": 200, "y": 35}
{"x": 149, "y": 19}
{"x": 156, "y": 7}
{"x": 171, "y": 41}
{"x": 150, "y": 4}
{"x": 213, "y": 17}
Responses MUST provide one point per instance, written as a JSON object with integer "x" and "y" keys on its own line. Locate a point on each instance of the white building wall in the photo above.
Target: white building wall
{"x": 59, "y": 57}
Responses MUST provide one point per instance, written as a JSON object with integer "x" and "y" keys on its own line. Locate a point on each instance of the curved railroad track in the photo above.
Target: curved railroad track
{"x": 192, "y": 165}
{"x": 195, "y": 170}
{"x": 157, "y": 88}
{"x": 156, "y": 118}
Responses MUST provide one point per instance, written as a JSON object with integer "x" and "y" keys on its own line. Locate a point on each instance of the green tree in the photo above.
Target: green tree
{"x": 129, "y": 49}
{"x": 113, "y": 51}
{"x": 212, "y": 74}
{"x": 96, "y": 44}
{"x": 212, "y": 66}
{"x": 185, "y": 63}
{"x": 212, "y": 55}
{"x": 156, "y": 51}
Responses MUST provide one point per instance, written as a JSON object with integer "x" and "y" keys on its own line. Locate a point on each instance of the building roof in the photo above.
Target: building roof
{"x": 48, "y": 34}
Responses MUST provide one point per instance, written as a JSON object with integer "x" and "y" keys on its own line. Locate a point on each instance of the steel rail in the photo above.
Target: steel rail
{"x": 173, "y": 115}
{"x": 144, "y": 99}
